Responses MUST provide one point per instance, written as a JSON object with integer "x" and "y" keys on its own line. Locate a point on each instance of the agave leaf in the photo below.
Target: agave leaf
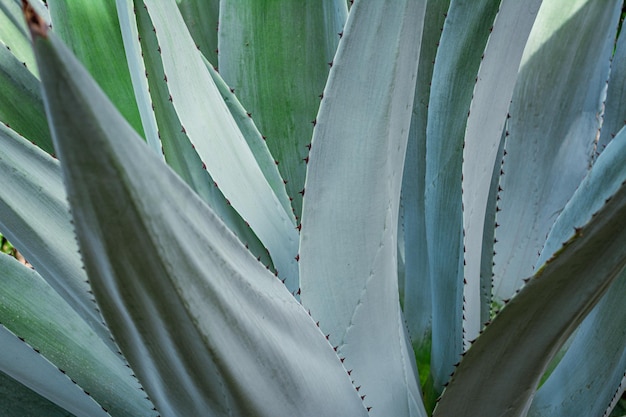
{"x": 417, "y": 296}
{"x": 51, "y": 335}
{"x": 14, "y": 34}
{"x": 19, "y": 401}
{"x": 34, "y": 215}
{"x": 276, "y": 56}
{"x": 615, "y": 104}
{"x": 207, "y": 329}
{"x": 587, "y": 377}
{"x": 348, "y": 265}
{"x": 21, "y": 106}
{"x": 533, "y": 326}
{"x": 600, "y": 343}
{"x": 178, "y": 151}
{"x": 138, "y": 72}
{"x": 220, "y": 144}
{"x": 490, "y": 102}
{"x": 201, "y": 17}
{"x": 549, "y": 151}
{"x": 33, "y": 370}
{"x": 92, "y": 31}
{"x": 462, "y": 44}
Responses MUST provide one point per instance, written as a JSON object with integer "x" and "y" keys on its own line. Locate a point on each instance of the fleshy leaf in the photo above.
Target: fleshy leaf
{"x": 348, "y": 254}
{"x": 92, "y": 31}
{"x": 19, "y": 401}
{"x": 220, "y": 144}
{"x": 276, "y": 55}
{"x": 21, "y": 106}
{"x": 533, "y": 326}
{"x": 34, "y": 215}
{"x": 550, "y": 151}
{"x": 206, "y": 328}
{"x": 463, "y": 40}
{"x": 79, "y": 363}
{"x": 487, "y": 114}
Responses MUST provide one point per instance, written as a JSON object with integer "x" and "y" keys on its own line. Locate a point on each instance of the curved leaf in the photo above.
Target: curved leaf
{"x": 532, "y": 327}
{"x": 348, "y": 252}
{"x": 550, "y": 146}
{"x": 220, "y": 144}
{"x": 21, "y": 105}
{"x": 18, "y": 400}
{"x": 207, "y": 328}
{"x": 35, "y": 217}
{"x": 84, "y": 374}
{"x": 276, "y": 55}
{"x": 463, "y": 40}
{"x": 490, "y": 102}
{"x": 91, "y": 29}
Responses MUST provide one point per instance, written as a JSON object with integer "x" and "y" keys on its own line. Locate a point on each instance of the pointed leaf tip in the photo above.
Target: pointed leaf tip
{"x": 37, "y": 26}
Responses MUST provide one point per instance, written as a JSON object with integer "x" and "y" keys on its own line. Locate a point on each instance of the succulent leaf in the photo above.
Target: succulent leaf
{"x": 533, "y": 326}
{"x": 46, "y": 337}
{"x": 220, "y": 144}
{"x": 91, "y": 29}
{"x": 354, "y": 290}
{"x": 34, "y": 215}
{"x": 415, "y": 290}
{"x": 276, "y": 55}
{"x": 550, "y": 151}
{"x": 487, "y": 115}
{"x": 206, "y": 328}
{"x": 28, "y": 119}
{"x": 463, "y": 41}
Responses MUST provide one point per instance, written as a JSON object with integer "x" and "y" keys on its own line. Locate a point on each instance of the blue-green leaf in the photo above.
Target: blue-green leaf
{"x": 555, "y": 117}
{"x": 220, "y": 144}
{"x": 532, "y": 327}
{"x": 49, "y": 348}
{"x": 463, "y": 40}
{"x": 348, "y": 253}
{"x": 35, "y": 217}
{"x": 207, "y": 329}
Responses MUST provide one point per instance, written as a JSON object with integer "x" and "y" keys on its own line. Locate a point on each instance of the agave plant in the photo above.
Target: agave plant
{"x": 292, "y": 208}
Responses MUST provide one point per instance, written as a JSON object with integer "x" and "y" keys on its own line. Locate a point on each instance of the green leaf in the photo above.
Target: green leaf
{"x": 533, "y": 326}
{"x": 463, "y": 40}
{"x": 487, "y": 114}
{"x": 14, "y": 35}
{"x": 348, "y": 252}
{"x": 564, "y": 73}
{"x": 201, "y": 17}
{"x": 21, "y": 106}
{"x": 34, "y": 216}
{"x": 17, "y": 400}
{"x": 178, "y": 151}
{"x": 206, "y": 328}
{"x": 276, "y": 55}
{"x": 92, "y": 31}
{"x": 131, "y": 37}
{"x": 220, "y": 144}
{"x": 50, "y": 349}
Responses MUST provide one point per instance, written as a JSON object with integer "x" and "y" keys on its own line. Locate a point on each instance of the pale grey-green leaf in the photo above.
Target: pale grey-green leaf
{"x": 34, "y": 215}
{"x": 490, "y": 102}
{"x": 532, "y": 327}
{"x": 46, "y": 325}
{"x": 348, "y": 253}
{"x": 207, "y": 329}
{"x": 219, "y": 142}
{"x": 554, "y": 123}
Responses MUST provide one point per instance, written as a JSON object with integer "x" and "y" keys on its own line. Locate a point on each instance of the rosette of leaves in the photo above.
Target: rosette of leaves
{"x": 288, "y": 208}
